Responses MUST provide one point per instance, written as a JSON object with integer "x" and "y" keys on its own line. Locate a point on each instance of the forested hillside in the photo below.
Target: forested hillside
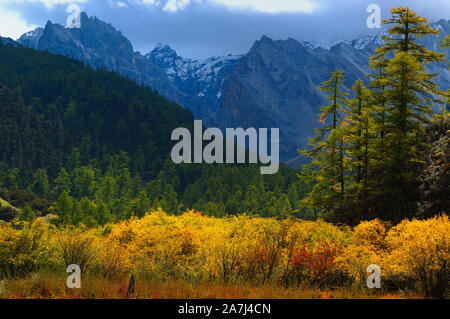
{"x": 99, "y": 112}
{"x": 99, "y": 143}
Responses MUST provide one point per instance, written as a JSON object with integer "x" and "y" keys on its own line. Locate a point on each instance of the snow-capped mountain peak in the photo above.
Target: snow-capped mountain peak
{"x": 178, "y": 67}
{"x": 199, "y": 78}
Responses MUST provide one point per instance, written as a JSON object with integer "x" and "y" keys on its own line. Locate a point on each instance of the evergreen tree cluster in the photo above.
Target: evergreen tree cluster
{"x": 96, "y": 145}
{"x": 368, "y": 158}
{"x": 52, "y": 104}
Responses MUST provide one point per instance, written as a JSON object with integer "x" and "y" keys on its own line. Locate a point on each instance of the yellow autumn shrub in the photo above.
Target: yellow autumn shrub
{"x": 25, "y": 247}
{"x": 76, "y": 246}
{"x": 366, "y": 246}
{"x": 420, "y": 250}
{"x": 112, "y": 261}
{"x": 370, "y": 233}
{"x": 248, "y": 249}
{"x": 354, "y": 260}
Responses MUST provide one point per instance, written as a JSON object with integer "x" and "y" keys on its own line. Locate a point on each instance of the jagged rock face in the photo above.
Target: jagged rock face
{"x": 99, "y": 45}
{"x": 193, "y": 84}
{"x": 31, "y": 39}
{"x": 435, "y": 186}
{"x": 433, "y": 43}
{"x": 201, "y": 79}
{"x": 276, "y": 84}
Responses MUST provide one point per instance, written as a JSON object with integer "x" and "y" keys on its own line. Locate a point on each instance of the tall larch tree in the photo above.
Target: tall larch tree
{"x": 328, "y": 148}
{"x": 360, "y": 136}
{"x": 410, "y": 92}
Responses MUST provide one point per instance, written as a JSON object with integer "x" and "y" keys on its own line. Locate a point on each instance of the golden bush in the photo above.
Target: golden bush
{"x": 370, "y": 233}
{"x": 420, "y": 250}
{"x": 25, "y": 247}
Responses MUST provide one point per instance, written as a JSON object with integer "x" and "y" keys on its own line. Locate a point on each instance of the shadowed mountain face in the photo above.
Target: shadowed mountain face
{"x": 274, "y": 85}
{"x": 99, "y": 45}
{"x": 6, "y": 41}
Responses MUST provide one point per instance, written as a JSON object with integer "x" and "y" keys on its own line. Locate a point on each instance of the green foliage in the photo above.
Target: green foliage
{"x": 367, "y": 161}
{"x": 410, "y": 92}
{"x": 327, "y": 153}
{"x": 56, "y": 112}
{"x": 97, "y": 144}
{"x": 27, "y": 214}
{"x": 64, "y": 208}
{"x": 40, "y": 186}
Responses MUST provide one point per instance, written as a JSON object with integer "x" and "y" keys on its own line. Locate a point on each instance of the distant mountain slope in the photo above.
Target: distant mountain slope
{"x": 276, "y": 84}
{"x": 202, "y": 79}
{"x": 99, "y": 45}
{"x": 6, "y": 41}
{"x": 31, "y": 39}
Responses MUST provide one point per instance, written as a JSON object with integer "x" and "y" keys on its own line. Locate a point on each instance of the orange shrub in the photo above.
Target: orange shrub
{"x": 315, "y": 263}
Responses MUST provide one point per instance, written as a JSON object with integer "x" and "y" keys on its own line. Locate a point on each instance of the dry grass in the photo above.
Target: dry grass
{"x": 48, "y": 285}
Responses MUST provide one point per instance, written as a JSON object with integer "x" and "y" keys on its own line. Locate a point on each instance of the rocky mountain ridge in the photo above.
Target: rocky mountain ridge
{"x": 275, "y": 84}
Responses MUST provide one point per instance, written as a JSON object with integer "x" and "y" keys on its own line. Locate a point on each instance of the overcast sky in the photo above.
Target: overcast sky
{"x": 203, "y": 28}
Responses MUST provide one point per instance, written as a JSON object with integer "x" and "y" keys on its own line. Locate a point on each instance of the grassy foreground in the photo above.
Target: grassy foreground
{"x": 50, "y": 286}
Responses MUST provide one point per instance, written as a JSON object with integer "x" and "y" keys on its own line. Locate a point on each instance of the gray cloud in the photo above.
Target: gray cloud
{"x": 203, "y": 30}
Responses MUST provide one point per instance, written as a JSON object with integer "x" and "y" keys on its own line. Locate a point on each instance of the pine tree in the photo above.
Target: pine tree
{"x": 63, "y": 208}
{"x": 337, "y": 98}
{"x": 27, "y": 214}
{"x": 406, "y": 91}
{"x": 446, "y": 45}
{"x": 41, "y": 186}
{"x": 62, "y": 183}
{"x": 360, "y": 135}
{"x": 327, "y": 153}
{"x": 139, "y": 206}
{"x": 87, "y": 207}
{"x": 378, "y": 87}
{"x": 74, "y": 159}
{"x": 84, "y": 182}
{"x": 102, "y": 213}
{"x": 108, "y": 189}
{"x": 76, "y": 215}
